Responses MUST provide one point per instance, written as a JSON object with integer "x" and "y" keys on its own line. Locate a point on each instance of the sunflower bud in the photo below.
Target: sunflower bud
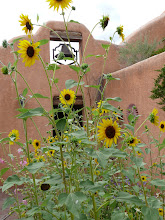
{"x": 84, "y": 66}
{"x": 104, "y": 22}
{"x": 61, "y": 56}
{"x": 4, "y": 44}
{"x": 5, "y": 70}
{"x": 30, "y": 141}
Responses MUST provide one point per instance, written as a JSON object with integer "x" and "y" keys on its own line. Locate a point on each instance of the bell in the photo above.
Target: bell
{"x": 66, "y": 51}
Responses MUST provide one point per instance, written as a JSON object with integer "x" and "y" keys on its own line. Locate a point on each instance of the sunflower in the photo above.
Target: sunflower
{"x": 14, "y": 136}
{"x": 29, "y": 52}
{"x": 36, "y": 144}
{"x": 50, "y": 153}
{"x": 162, "y": 126}
{"x": 100, "y": 107}
{"x": 132, "y": 141}
{"x": 160, "y": 211}
{"x": 59, "y": 3}
{"x": 153, "y": 118}
{"x": 108, "y": 131}
{"x": 104, "y": 22}
{"x": 144, "y": 178}
{"x": 51, "y": 140}
{"x": 119, "y": 30}
{"x": 25, "y": 21}
{"x": 40, "y": 158}
{"x": 97, "y": 172}
{"x": 45, "y": 186}
{"x": 67, "y": 97}
{"x": 138, "y": 152}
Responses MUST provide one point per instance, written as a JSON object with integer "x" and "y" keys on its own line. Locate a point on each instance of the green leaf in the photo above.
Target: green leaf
{"x": 93, "y": 86}
{"x": 128, "y": 198}
{"x": 129, "y": 127}
{"x": 37, "y": 18}
{"x": 78, "y": 134}
{"x": 111, "y": 108}
{"x": 111, "y": 152}
{"x": 52, "y": 67}
{"x": 55, "y": 179}
{"x": 158, "y": 182}
{"x": 138, "y": 161}
{"x": 46, "y": 201}
{"x": 70, "y": 83}
{"x": 154, "y": 202}
{"x": 147, "y": 150}
{"x": 4, "y": 139}
{"x": 74, "y": 21}
{"x": 86, "y": 183}
{"x": 25, "y": 91}
{"x": 17, "y": 39}
{"x": 32, "y": 112}
{"x": 73, "y": 204}
{"x": 117, "y": 216}
{"x": 61, "y": 124}
{"x": 33, "y": 211}
{"x": 105, "y": 46}
{"x": 8, "y": 202}
{"x": 56, "y": 80}
{"x": 75, "y": 68}
{"x": 150, "y": 213}
{"x": 34, "y": 167}
{"x": 44, "y": 41}
{"x": 37, "y": 95}
{"x": 81, "y": 217}
{"x": 117, "y": 99}
{"x": 62, "y": 198}
{"x": 102, "y": 159}
{"x": 81, "y": 196}
{"x": 11, "y": 181}
{"x": 91, "y": 55}
{"x": 3, "y": 171}
{"x": 19, "y": 143}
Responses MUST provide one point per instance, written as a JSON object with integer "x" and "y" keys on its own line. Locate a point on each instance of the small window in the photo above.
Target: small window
{"x": 70, "y": 50}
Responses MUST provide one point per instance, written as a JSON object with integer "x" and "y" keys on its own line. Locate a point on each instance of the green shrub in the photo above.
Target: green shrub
{"x": 158, "y": 92}
{"x": 137, "y": 51}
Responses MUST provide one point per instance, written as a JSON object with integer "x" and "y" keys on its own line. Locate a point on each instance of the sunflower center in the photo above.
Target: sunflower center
{"x": 67, "y": 96}
{"x": 131, "y": 141}
{"x": 110, "y": 132}
{"x": 37, "y": 144}
{"x": 30, "y": 51}
{"x": 162, "y": 126}
{"x": 29, "y": 27}
{"x": 45, "y": 186}
{"x": 59, "y": 0}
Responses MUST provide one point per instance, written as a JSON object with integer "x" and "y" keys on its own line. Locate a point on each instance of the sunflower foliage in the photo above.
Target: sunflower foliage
{"x": 158, "y": 91}
{"x": 90, "y": 167}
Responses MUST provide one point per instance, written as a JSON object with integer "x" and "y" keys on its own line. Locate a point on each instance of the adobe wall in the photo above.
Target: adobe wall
{"x": 134, "y": 87}
{"x": 154, "y": 30}
{"x": 37, "y": 80}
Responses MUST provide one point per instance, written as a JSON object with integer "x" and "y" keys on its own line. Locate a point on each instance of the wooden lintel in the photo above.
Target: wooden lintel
{"x": 73, "y": 36}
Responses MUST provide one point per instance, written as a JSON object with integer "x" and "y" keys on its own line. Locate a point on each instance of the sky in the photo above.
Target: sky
{"x": 132, "y": 14}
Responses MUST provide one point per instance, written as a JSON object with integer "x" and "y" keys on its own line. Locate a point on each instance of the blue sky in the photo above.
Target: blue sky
{"x": 131, "y": 14}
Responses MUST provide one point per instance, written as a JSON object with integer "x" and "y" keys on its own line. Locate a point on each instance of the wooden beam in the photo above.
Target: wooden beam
{"x": 73, "y": 36}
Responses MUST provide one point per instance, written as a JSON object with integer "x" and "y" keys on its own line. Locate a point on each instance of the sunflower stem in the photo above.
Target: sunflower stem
{"x": 63, "y": 168}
